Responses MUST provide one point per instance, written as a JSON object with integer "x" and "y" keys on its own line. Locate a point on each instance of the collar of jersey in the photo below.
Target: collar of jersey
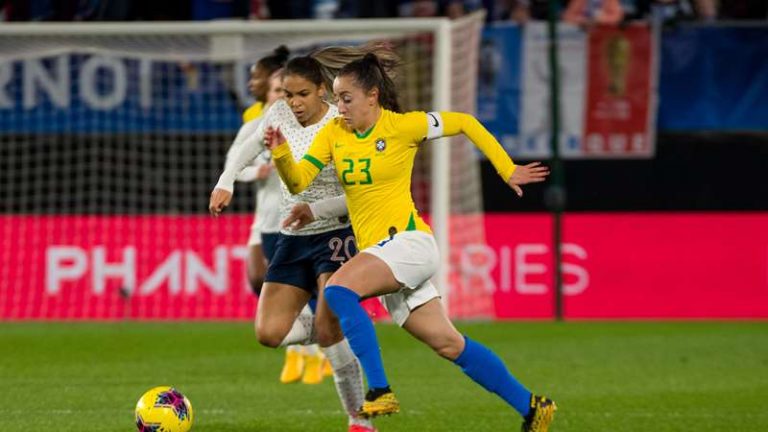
{"x": 367, "y": 133}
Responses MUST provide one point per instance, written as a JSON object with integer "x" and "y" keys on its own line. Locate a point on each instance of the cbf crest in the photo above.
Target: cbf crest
{"x": 381, "y": 145}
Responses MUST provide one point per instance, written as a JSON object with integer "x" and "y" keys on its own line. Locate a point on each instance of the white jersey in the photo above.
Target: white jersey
{"x": 326, "y": 184}
{"x": 268, "y": 198}
{"x": 268, "y": 195}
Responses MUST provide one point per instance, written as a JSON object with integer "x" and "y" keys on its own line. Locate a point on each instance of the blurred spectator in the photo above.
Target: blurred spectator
{"x": 290, "y": 9}
{"x": 588, "y": 12}
{"x": 670, "y": 11}
{"x": 512, "y": 10}
{"x": 258, "y": 10}
{"x": 27, "y": 10}
{"x": 418, "y": 8}
{"x": 368, "y": 9}
{"x": 457, "y": 8}
{"x": 325, "y": 9}
{"x": 109, "y": 10}
{"x": 166, "y": 10}
{"x": 521, "y": 11}
{"x": 743, "y": 9}
{"x": 216, "y": 9}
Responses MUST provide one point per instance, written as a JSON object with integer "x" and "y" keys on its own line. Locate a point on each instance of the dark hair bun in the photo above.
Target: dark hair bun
{"x": 281, "y": 53}
{"x": 371, "y": 58}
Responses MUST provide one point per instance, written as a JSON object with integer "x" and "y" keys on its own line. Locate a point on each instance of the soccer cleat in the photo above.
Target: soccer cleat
{"x": 327, "y": 368}
{"x": 361, "y": 428}
{"x": 541, "y": 415}
{"x": 381, "y": 404}
{"x": 293, "y": 368}
{"x": 313, "y": 369}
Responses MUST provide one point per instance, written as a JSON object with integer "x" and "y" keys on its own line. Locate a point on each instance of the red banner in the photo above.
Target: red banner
{"x": 192, "y": 267}
{"x": 635, "y": 265}
{"x": 619, "y": 92}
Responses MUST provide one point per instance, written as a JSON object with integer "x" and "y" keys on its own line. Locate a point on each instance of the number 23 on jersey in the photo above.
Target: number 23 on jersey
{"x": 356, "y": 171}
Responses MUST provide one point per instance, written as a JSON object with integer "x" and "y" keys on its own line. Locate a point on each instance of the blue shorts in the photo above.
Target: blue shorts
{"x": 299, "y": 260}
{"x": 268, "y": 244}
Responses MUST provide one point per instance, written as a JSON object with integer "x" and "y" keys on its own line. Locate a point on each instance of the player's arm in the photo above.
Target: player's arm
{"x": 258, "y": 169}
{"x": 248, "y": 144}
{"x": 454, "y": 123}
{"x": 303, "y": 213}
{"x": 240, "y": 155}
{"x": 297, "y": 176}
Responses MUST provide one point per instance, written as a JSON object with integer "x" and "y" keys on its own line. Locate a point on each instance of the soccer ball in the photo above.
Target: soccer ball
{"x": 163, "y": 409}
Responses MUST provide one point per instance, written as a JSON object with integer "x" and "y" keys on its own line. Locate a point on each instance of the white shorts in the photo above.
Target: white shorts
{"x": 255, "y": 238}
{"x": 413, "y": 258}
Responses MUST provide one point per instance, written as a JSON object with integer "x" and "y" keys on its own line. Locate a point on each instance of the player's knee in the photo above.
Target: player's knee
{"x": 268, "y": 337}
{"x": 449, "y": 347}
{"x": 328, "y": 331}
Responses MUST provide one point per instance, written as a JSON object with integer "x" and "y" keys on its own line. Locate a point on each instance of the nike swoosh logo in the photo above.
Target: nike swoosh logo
{"x": 435, "y": 119}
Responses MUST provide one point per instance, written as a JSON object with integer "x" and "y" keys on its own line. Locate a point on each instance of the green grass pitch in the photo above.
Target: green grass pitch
{"x": 605, "y": 376}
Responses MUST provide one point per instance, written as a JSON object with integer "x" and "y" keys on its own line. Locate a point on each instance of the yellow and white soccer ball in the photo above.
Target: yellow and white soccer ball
{"x": 163, "y": 409}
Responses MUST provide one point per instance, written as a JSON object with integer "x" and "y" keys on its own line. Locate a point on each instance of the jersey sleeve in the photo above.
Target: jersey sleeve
{"x": 297, "y": 176}
{"x": 248, "y": 144}
{"x": 251, "y": 172}
{"x": 329, "y": 208}
{"x": 414, "y": 126}
{"x": 453, "y": 123}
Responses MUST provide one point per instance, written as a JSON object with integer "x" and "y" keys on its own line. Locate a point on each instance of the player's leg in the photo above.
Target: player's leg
{"x": 282, "y": 320}
{"x": 259, "y": 258}
{"x": 370, "y": 273}
{"x": 256, "y": 267}
{"x": 430, "y": 324}
{"x": 333, "y": 249}
{"x": 363, "y": 276}
{"x": 347, "y": 373}
{"x": 288, "y": 288}
{"x": 277, "y": 323}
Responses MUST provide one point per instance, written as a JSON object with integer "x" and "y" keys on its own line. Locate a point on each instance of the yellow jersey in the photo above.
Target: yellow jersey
{"x": 253, "y": 112}
{"x": 374, "y": 168}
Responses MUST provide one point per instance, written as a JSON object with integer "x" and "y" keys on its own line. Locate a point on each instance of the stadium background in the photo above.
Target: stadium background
{"x": 677, "y": 234}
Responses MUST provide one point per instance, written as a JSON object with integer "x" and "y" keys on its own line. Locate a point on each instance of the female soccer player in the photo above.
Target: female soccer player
{"x": 265, "y": 85}
{"x": 373, "y": 148}
{"x": 258, "y": 82}
{"x": 305, "y": 258}
{"x": 305, "y": 363}
{"x": 266, "y": 223}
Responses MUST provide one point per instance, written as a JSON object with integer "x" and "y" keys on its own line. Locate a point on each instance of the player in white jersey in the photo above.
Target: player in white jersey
{"x": 305, "y": 258}
{"x": 266, "y": 224}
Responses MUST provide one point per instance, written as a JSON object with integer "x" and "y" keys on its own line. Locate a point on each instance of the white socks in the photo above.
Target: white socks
{"x": 303, "y": 330}
{"x": 348, "y": 377}
{"x": 311, "y": 349}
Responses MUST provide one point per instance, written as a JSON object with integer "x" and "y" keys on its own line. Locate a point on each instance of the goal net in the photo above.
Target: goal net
{"x": 112, "y": 136}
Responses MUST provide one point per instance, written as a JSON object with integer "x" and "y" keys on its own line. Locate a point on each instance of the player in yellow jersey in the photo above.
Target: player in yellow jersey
{"x": 258, "y": 82}
{"x": 305, "y": 258}
{"x": 373, "y": 148}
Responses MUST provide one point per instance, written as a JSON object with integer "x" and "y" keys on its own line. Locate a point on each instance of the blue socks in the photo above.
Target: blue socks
{"x": 358, "y": 329}
{"x": 487, "y": 369}
{"x": 477, "y": 361}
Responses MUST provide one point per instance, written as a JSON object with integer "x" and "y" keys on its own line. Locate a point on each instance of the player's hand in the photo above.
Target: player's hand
{"x": 524, "y": 174}
{"x": 300, "y": 216}
{"x": 219, "y": 200}
{"x": 273, "y": 137}
{"x": 263, "y": 171}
